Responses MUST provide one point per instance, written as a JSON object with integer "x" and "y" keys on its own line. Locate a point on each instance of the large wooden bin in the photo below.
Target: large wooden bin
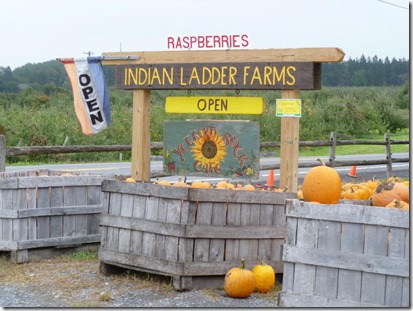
{"x": 345, "y": 255}
{"x": 193, "y": 235}
{"x": 43, "y": 209}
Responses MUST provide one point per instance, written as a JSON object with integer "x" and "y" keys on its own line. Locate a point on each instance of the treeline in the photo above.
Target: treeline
{"x": 352, "y": 72}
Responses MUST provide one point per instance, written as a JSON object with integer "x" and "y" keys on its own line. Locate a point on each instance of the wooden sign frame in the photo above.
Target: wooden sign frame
{"x": 289, "y": 125}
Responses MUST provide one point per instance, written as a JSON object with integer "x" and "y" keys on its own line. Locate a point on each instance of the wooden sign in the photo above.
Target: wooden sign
{"x": 215, "y": 105}
{"x": 212, "y": 148}
{"x": 288, "y": 108}
{"x": 249, "y": 76}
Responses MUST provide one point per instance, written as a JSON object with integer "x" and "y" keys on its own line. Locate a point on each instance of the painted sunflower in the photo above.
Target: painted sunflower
{"x": 209, "y": 149}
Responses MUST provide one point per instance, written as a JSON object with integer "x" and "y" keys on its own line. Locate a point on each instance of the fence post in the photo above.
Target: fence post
{"x": 2, "y": 153}
{"x": 388, "y": 154}
{"x": 333, "y": 138}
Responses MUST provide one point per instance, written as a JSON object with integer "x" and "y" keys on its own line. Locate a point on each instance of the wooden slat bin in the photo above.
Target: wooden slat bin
{"x": 193, "y": 235}
{"x": 345, "y": 255}
{"x": 43, "y": 209}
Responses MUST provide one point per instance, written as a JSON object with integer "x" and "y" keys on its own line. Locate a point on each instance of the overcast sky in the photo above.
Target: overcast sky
{"x": 33, "y": 31}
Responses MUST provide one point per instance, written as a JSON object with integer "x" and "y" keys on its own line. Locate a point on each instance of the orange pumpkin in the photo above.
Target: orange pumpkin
{"x": 322, "y": 184}
{"x": 384, "y": 194}
{"x": 180, "y": 183}
{"x": 264, "y": 277}
{"x": 239, "y": 282}
{"x": 398, "y": 204}
{"x": 402, "y": 191}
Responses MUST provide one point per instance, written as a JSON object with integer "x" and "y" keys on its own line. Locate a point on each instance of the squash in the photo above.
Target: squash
{"x": 239, "y": 282}
{"x": 264, "y": 277}
{"x": 129, "y": 179}
{"x": 162, "y": 182}
{"x": 396, "y": 203}
{"x": 402, "y": 191}
{"x": 384, "y": 194}
{"x": 322, "y": 184}
{"x": 201, "y": 184}
{"x": 180, "y": 183}
{"x": 248, "y": 187}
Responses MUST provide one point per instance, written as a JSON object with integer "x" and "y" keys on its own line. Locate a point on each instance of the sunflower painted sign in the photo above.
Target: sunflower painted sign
{"x": 212, "y": 148}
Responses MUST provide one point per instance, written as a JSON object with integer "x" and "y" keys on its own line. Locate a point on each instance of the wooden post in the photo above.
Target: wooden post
{"x": 388, "y": 155}
{"x": 141, "y": 149}
{"x": 290, "y": 133}
{"x": 333, "y": 139}
{"x": 2, "y": 153}
{"x": 290, "y": 129}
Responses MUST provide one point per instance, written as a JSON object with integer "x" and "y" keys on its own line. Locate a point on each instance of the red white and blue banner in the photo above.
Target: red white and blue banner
{"x": 90, "y": 93}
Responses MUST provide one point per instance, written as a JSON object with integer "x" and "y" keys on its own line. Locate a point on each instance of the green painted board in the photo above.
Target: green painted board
{"x": 212, "y": 148}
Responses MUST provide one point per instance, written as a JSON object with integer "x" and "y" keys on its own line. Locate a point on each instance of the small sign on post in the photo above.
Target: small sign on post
{"x": 288, "y": 108}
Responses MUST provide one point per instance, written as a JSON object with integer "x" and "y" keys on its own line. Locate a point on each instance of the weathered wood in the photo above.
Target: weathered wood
{"x": 345, "y": 255}
{"x": 41, "y": 209}
{"x": 140, "y": 169}
{"x": 2, "y": 153}
{"x": 316, "y": 55}
{"x": 187, "y": 236}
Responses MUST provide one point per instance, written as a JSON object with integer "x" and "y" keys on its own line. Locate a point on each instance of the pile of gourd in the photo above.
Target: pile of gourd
{"x": 322, "y": 184}
{"x": 223, "y": 184}
{"x": 241, "y": 283}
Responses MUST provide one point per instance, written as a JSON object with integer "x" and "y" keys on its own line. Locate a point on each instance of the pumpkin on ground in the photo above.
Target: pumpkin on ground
{"x": 239, "y": 282}
{"x": 322, "y": 184}
{"x": 264, "y": 277}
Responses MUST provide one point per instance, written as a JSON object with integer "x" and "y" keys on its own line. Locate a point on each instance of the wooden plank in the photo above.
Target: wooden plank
{"x": 326, "y": 278}
{"x": 126, "y": 211}
{"x": 81, "y": 199}
{"x": 114, "y": 210}
{"x": 148, "y": 239}
{"x": 58, "y": 181}
{"x": 235, "y": 232}
{"x": 244, "y": 244}
{"x": 374, "y": 285}
{"x": 56, "y": 211}
{"x": 141, "y": 261}
{"x": 371, "y": 215}
{"x": 141, "y": 136}
{"x": 254, "y": 197}
{"x": 359, "y": 262}
{"x": 352, "y": 241}
{"x": 233, "y": 219}
{"x": 217, "y": 246}
{"x": 265, "y": 220}
{"x": 43, "y": 201}
{"x": 145, "y": 189}
{"x": 317, "y": 55}
{"x": 31, "y": 205}
{"x": 201, "y": 245}
{"x": 94, "y": 197}
{"x": 6, "y": 196}
{"x": 160, "y": 244}
{"x": 59, "y": 241}
{"x": 56, "y": 222}
{"x": 138, "y": 212}
{"x": 173, "y": 216}
{"x": 297, "y": 300}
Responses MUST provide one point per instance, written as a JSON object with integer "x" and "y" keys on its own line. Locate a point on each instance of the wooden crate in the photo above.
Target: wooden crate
{"x": 193, "y": 235}
{"x": 43, "y": 209}
{"x": 345, "y": 255}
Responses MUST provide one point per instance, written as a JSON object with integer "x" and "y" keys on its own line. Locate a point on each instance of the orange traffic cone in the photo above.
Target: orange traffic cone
{"x": 270, "y": 179}
{"x": 352, "y": 172}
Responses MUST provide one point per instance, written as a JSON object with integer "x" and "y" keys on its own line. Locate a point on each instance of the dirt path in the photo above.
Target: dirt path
{"x": 71, "y": 282}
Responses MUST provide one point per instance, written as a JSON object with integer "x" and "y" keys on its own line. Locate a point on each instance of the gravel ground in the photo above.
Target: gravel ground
{"x": 68, "y": 282}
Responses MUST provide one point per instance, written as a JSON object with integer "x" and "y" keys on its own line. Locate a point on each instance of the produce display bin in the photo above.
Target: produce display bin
{"x": 345, "y": 255}
{"x": 48, "y": 209}
{"x": 192, "y": 235}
